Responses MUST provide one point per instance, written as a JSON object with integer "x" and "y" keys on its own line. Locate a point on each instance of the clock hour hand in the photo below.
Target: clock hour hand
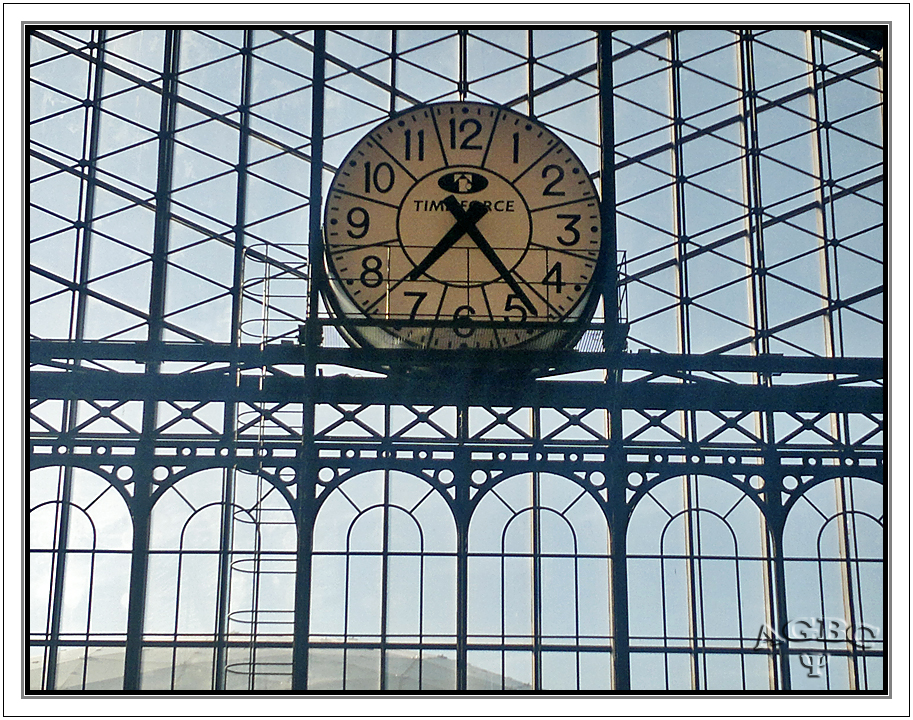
{"x": 468, "y": 220}
{"x": 488, "y": 251}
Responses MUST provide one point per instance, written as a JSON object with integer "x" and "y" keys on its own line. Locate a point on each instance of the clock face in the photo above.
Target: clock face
{"x": 462, "y": 225}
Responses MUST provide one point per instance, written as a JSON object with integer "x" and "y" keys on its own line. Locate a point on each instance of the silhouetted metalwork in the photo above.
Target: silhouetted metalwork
{"x": 225, "y": 496}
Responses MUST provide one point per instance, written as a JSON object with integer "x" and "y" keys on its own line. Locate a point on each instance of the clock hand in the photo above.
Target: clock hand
{"x": 468, "y": 219}
{"x": 488, "y": 251}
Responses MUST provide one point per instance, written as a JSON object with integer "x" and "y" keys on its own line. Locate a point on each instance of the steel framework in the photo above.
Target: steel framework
{"x": 224, "y": 496}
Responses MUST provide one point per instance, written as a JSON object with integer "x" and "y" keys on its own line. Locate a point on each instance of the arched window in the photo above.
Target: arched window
{"x": 833, "y": 544}
{"x": 538, "y": 579}
{"x": 220, "y": 589}
{"x": 697, "y": 574}
{"x": 79, "y": 574}
{"x": 383, "y": 587}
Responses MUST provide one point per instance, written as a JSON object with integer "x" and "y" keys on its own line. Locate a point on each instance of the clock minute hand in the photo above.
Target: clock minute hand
{"x": 466, "y": 221}
{"x": 489, "y": 252}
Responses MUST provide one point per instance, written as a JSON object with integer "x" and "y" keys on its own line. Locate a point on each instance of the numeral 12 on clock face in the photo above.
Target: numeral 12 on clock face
{"x": 462, "y": 225}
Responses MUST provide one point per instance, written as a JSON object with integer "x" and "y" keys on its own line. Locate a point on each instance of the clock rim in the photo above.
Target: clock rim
{"x": 568, "y": 329}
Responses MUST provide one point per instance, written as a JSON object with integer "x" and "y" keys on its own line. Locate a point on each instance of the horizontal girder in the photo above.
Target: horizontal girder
{"x": 454, "y": 389}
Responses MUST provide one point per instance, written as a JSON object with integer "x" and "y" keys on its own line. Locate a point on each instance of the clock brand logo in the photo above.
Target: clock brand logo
{"x": 463, "y": 183}
{"x": 441, "y": 206}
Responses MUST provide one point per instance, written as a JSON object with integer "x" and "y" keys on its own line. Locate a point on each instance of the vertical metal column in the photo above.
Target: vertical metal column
{"x": 530, "y": 72}
{"x": 462, "y": 514}
{"x": 833, "y": 325}
{"x": 609, "y": 248}
{"x": 78, "y": 323}
{"x": 536, "y": 565}
{"x": 774, "y": 514}
{"x": 385, "y": 588}
{"x": 752, "y": 193}
{"x": 394, "y": 55}
{"x": 309, "y": 460}
{"x": 463, "y": 82}
{"x": 692, "y": 520}
{"x": 615, "y": 452}
{"x": 145, "y": 450}
{"x": 230, "y": 414}
{"x": 678, "y": 189}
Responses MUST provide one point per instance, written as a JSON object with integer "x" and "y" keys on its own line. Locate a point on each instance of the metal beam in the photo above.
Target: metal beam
{"x": 873, "y": 37}
{"x": 251, "y": 355}
{"x": 483, "y": 389}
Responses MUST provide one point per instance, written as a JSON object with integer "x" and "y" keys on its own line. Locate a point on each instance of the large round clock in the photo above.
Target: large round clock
{"x": 462, "y": 225}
